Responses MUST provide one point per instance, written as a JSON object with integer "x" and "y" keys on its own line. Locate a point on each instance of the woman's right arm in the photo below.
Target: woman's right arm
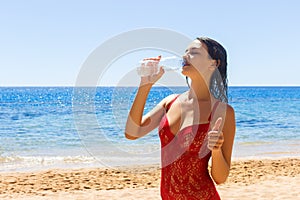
{"x": 138, "y": 125}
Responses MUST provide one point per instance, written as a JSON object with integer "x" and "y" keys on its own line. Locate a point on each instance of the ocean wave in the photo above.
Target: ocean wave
{"x": 46, "y": 159}
{"x": 12, "y": 163}
{"x": 30, "y": 163}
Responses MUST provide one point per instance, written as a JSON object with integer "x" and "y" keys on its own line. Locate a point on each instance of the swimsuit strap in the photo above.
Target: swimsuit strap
{"x": 213, "y": 110}
{"x": 170, "y": 104}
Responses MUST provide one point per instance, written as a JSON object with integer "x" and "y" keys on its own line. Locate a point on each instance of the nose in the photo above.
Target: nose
{"x": 185, "y": 56}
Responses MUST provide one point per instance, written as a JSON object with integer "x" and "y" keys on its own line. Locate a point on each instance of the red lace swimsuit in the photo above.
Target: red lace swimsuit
{"x": 184, "y": 157}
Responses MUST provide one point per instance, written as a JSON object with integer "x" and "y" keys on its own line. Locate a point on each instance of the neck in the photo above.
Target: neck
{"x": 200, "y": 90}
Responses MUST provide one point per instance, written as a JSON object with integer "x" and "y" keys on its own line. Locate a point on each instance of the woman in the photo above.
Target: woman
{"x": 194, "y": 127}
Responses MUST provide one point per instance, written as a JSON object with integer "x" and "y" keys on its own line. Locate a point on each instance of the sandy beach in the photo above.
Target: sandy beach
{"x": 249, "y": 179}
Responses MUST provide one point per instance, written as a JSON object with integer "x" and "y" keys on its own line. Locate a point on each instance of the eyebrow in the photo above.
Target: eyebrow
{"x": 193, "y": 48}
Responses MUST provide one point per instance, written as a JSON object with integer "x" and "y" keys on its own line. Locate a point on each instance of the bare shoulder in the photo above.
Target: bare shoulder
{"x": 168, "y": 99}
{"x": 226, "y": 108}
{"x": 229, "y": 110}
{"x": 229, "y": 123}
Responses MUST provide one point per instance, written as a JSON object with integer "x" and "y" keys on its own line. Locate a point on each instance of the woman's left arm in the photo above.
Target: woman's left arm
{"x": 222, "y": 147}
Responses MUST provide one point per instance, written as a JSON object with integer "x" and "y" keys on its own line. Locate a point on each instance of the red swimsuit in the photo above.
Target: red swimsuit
{"x": 184, "y": 157}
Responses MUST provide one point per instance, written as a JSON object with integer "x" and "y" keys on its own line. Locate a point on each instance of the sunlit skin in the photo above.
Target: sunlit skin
{"x": 192, "y": 107}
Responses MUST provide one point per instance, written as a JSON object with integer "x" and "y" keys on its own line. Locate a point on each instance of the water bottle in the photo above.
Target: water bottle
{"x": 151, "y": 66}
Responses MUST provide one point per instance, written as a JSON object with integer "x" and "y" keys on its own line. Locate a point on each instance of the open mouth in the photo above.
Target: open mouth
{"x": 185, "y": 63}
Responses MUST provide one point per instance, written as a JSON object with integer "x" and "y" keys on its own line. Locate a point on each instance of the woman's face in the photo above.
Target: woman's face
{"x": 198, "y": 61}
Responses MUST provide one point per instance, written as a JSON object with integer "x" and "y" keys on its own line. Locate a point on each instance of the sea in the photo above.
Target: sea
{"x": 77, "y": 127}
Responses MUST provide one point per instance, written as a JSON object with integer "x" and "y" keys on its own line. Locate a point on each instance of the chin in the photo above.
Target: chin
{"x": 185, "y": 70}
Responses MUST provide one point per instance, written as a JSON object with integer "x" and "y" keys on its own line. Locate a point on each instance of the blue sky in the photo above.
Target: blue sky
{"x": 45, "y": 43}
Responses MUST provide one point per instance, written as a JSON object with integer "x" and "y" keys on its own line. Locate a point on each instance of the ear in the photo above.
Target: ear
{"x": 218, "y": 63}
{"x": 213, "y": 65}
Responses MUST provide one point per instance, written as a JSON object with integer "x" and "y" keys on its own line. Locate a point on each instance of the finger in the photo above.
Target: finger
{"x": 215, "y": 140}
{"x": 212, "y": 134}
{"x": 215, "y": 134}
{"x": 219, "y": 139}
{"x": 161, "y": 71}
{"x": 153, "y": 58}
{"x": 217, "y": 124}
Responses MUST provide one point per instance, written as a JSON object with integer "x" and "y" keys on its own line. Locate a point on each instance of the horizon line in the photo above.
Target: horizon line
{"x": 242, "y": 85}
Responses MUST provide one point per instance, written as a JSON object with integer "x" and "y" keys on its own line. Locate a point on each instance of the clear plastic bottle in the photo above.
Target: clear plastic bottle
{"x": 150, "y": 67}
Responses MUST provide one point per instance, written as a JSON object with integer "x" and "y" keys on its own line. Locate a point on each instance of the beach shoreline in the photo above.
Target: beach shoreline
{"x": 247, "y": 177}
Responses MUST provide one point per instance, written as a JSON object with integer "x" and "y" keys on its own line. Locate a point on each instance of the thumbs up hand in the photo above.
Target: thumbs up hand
{"x": 215, "y": 136}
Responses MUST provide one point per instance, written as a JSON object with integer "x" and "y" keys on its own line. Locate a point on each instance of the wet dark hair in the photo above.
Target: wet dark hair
{"x": 218, "y": 82}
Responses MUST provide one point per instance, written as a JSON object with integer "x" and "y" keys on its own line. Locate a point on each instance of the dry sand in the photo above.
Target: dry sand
{"x": 249, "y": 179}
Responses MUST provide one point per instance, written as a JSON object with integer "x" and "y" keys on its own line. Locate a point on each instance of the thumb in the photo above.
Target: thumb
{"x": 217, "y": 124}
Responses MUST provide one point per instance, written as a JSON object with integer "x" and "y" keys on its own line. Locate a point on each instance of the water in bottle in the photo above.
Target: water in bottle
{"x": 151, "y": 66}
{"x": 172, "y": 63}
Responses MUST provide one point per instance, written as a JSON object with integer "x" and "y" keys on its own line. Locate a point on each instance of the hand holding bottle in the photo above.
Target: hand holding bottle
{"x": 154, "y": 67}
{"x": 149, "y": 70}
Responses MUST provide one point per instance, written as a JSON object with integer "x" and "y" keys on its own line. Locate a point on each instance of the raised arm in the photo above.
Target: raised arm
{"x": 137, "y": 125}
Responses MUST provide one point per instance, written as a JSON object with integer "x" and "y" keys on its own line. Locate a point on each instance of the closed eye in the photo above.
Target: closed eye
{"x": 193, "y": 50}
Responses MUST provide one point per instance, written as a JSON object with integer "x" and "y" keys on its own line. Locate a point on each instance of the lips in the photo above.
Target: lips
{"x": 185, "y": 63}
